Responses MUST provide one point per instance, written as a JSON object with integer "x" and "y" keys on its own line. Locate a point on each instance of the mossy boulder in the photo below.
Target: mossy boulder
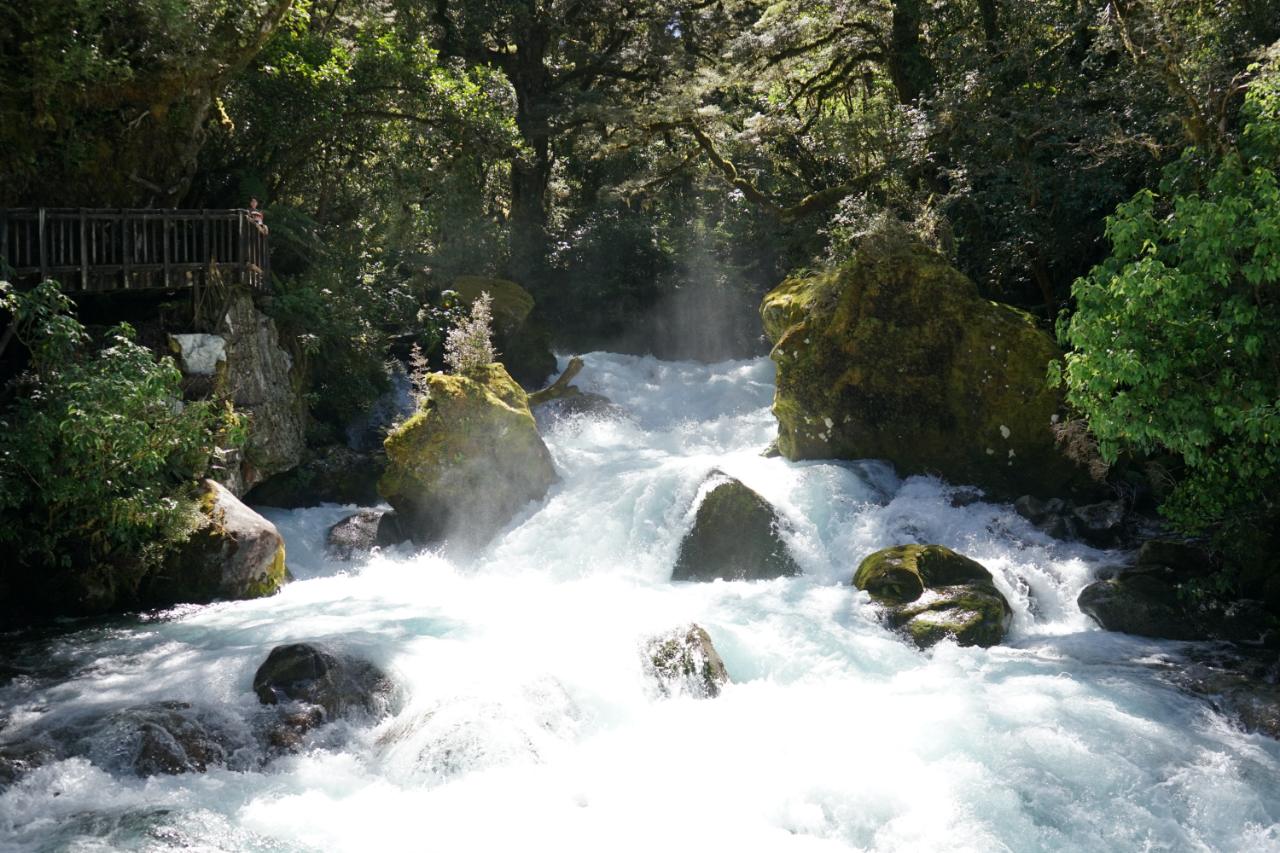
{"x": 521, "y": 337}
{"x": 895, "y": 355}
{"x": 734, "y": 537}
{"x": 932, "y": 593}
{"x": 468, "y": 460}
{"x": 235, "y": 554}
{"x": 685, "y": 663}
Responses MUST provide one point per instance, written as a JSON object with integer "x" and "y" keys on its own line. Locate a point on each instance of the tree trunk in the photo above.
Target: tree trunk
{"x": 910, "y": 68}
{"x": 531, "y": 171}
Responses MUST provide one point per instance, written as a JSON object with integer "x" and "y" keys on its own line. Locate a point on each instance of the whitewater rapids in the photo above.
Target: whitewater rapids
{"x": 527, "y": 721}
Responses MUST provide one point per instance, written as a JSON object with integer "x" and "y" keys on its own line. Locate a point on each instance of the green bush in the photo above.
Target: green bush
{"x": 1176, "y": 336}
{"x": 99, "y": 459}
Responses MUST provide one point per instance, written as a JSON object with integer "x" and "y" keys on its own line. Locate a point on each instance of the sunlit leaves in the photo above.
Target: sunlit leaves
{"x": 1176, "y": 337}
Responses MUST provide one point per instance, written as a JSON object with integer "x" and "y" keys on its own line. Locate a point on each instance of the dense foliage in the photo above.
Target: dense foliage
{"x": 1176, "y": 335}
{"x": 99, "y": 458}
{"x": 647, "y": 169}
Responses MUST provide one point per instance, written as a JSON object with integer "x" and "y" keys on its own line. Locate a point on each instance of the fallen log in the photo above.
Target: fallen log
{"x": 561, "y": 387}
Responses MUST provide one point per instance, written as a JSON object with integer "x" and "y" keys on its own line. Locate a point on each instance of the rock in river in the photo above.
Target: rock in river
{"x": 468, "y": 461}
{"x": 340, "y": 684}
{"x": 932, "y": 593}
{"x": 685, "y": 663}
{"x": 895, "y": 355}
{"x": 735, "y": 537}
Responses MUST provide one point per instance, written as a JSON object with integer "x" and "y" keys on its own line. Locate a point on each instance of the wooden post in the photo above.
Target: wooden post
{"x": 44, "y": 264}
{"x": 84, "y": 253}
{"x": 126, "y": 249}
{"x": 164, "y": 245}
{"x": 244, "y": 249}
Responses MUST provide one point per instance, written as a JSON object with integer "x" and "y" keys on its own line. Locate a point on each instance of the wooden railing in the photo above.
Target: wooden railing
{"x": 87, "y": 249}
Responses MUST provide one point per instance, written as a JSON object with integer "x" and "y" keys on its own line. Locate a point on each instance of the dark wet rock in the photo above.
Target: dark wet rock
{"x": 1244, "y": 685}
{"x": 357, "y": 535}
{"x": 584, "y": 404}
{"x": 932, "y": 593}
{"x": 340, "y": 684}
{"x": 20, "y": 758}
{"x": 1184, "y": 559}
{"x": 287, "y": 730}
{"x": 685, "y": 663}
{"x": 963, "y": 497}
{"x": 1052, "y": 516}
{"x": 1157, "y": 601}
{"x": 735, "y": 537}
{"x": 333, "y": 474}
{"x": 1139, "y": 603}
{"x": 1100, "y": 524}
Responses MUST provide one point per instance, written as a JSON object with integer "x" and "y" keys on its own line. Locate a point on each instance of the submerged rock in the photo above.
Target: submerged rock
{"x": 357, "y": 535}
{"x": 468, "y": 461}
{"x": 734, "y": 537}
{"x": 896, "y": 356}
{"x": 164, "y": 738}
{"x": 334, "y": 474}
{"x": 235, "y": 554}
{"x": 339, "y": 684}
{"x": 685, "y": 663}
{"x": 1242, "y": 685}
{"x": 932, "y": 593}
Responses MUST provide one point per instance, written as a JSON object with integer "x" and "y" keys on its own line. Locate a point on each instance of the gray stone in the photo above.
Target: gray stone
{"x": 260, "y": 382}
{"x": 684, "y": 662}
{"x": 357, "y": 535}
{"x": 236, "y": 554}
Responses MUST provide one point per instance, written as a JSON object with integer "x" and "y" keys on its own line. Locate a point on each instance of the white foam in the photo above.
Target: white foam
{"x": 528, "y": 722}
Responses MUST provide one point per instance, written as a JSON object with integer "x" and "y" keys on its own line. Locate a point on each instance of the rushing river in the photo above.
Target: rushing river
{"x": 527, "y": 721}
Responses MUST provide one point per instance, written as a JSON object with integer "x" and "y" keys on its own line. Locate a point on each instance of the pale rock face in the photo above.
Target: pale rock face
{"x": 245, "y": 363}
{"x": 199, "y": 355}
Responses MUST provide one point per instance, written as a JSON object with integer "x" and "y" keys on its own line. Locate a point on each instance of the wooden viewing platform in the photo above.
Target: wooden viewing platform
{"x": 103, "y": 250}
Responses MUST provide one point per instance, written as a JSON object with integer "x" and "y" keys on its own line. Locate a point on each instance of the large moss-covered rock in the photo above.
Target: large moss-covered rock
{"x": 734, "y": 537}
{"x": 895, "y": 355}
{"x": 235, "y": 554}
{"x": 521, "y": 338}
{"x": 932, "y": 593}
{"x": 468, "y": 461}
